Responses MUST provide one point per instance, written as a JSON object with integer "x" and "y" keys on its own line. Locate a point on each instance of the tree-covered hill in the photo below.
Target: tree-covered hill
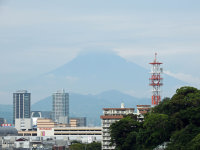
{"x": 175, "y": 122}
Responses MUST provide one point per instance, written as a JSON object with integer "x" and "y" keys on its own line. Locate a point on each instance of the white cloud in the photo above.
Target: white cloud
{"x": 5, "y": 97}
{"x": 185, "y": 77}
{"x": 3, "y": 93}
{"x": 138, "y": 94}
{"x": 41, "y": 60}
{"x": 15, "y": 17}
{"x": 165, "y": 50}
{"x": 71, "y": 78}
{"x": 131, "y": 52}
{"x": 50, "y": 75}
{"x": 171, "y": 54}
{"x": 131, "y": 92}
{"x": 30, "y": 35}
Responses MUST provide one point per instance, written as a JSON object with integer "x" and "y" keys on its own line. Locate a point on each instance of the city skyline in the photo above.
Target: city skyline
{"x": 142, "y": 54}
{"x": 33, "y": 33}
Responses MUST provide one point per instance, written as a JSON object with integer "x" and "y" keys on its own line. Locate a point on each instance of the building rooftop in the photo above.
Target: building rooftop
{"x": 143, "y": 105}
{"x": 118, "y": 108}
{"x": 112, "y": 117}
{"x": 8, "y": 131}
{"x": 21, "y": 91}
{"x": 36, "y": 114}
{"x": 144, "y": 108}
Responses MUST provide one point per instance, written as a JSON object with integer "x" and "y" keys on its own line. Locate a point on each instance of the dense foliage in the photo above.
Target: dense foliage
{"x": 175, "y": 122}
{"x": 82, "y": 146}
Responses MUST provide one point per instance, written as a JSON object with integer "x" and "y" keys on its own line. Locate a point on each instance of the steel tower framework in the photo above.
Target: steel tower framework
{"x": 156, "y": 81}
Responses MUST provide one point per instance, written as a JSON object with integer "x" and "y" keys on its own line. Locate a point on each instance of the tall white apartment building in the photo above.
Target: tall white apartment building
{"x": 111, "y": 115}
{"x": 60, "y": 105}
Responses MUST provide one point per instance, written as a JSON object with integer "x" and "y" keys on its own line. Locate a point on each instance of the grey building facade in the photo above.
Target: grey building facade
{"x": 46, "y": 114}
{"x": 21, "y": 105}
{"x": 21, "y": 109}
{"x": 60, "y": 107}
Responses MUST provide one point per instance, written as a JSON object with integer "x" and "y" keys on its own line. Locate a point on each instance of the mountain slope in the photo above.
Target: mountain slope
{"x": 94, "y": 72}
{"x": 90, "y": 106}
{"x": 6, "y": 112}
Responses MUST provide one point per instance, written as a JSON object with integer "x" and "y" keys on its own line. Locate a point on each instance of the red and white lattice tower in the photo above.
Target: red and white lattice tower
{"x": 156, "y": 81}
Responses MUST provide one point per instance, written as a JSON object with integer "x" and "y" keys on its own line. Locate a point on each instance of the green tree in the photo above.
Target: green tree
{"x": 157, "y": 130}
{"x": 195, "y": 143}
{"x": 83, "y": 146}
{"x": 94, "y": 146}
{"x": 123, "y": 133}
{"x": 77, "y": 146}
{"x": 181, "y": 139}
{"x": 175, "y": 121}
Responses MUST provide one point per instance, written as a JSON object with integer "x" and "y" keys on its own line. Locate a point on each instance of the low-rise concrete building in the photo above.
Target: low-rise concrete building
{"x": 48, "y": 128}
{"x": 23, "y": 123}
{"x": 4, "y": 141}
{"x": 78, "y": 122}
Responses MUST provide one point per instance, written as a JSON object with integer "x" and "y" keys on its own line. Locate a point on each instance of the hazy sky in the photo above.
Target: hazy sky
{"x": 37, "y": 36}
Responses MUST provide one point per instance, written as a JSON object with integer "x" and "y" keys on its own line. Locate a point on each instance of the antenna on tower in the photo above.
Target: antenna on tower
{"x": 156, "y": 81}
{"x": 155, "y": 57}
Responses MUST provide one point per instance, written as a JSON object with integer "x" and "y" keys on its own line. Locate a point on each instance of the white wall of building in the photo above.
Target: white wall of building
{"x": 45, "y": 131}
{"x": 23, "y": 124}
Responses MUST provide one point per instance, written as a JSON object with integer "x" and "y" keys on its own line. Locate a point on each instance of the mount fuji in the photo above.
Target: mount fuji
{"x": 101, "y": 80}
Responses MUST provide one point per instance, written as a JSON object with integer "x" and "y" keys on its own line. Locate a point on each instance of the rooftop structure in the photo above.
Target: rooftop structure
{"x": 8, "y": 131}
{"x": 45, "y": 123}
{"x": 34, "y": 116}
